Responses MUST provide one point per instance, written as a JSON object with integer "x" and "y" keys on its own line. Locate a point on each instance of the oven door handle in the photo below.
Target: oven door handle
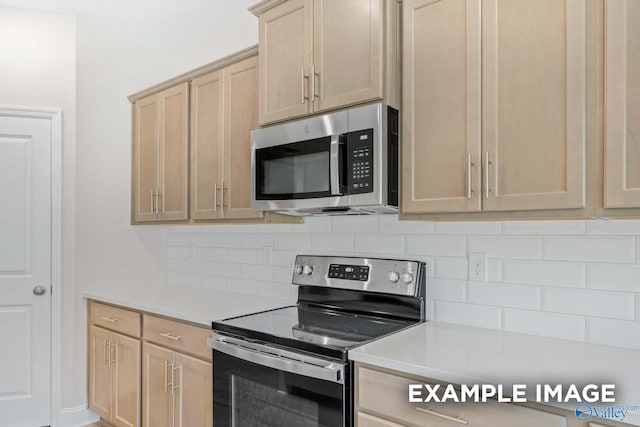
{"x": 334, "y": 165}
{"x": 281, "y": 360}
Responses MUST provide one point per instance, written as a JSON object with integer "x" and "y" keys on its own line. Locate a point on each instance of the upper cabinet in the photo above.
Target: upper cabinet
{"x": 319, "y": 55}
{"x": 160, "y": 156}
{"x": 622, "y": 104}
{"x": 494, "y": 101}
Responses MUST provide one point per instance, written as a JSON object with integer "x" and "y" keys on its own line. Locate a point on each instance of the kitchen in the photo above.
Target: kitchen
{"x": 542, "y": 282}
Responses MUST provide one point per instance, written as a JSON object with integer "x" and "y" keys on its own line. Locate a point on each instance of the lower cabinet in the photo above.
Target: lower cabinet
{"x": 177, "y": 389}
{"x": 114, "y": 377}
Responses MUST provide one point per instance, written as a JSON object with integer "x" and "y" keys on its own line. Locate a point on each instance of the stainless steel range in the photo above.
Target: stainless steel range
{"x": 290, "y": 366}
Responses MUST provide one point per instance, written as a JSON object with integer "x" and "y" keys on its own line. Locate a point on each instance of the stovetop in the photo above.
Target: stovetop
{"x": 312, "y": 328}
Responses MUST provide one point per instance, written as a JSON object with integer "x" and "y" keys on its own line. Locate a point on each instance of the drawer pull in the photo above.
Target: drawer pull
{"x": 429, "y": 411}
{"x": 109, "y": 319}
{"x": 170, "y": 336}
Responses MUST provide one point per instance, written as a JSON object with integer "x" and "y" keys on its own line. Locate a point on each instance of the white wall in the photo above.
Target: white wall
{"x": 118, "y": 56}
{"x": 37, "y": 69}
{"x": 577, "y": 280}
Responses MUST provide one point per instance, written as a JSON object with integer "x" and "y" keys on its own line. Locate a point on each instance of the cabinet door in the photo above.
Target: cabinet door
{"x": 441, "y": 106}
{"x": 125, "y": 366}
{"x": 241, "y": 117}
{"x": 194, "y": 392}
{"x": 533, "y": 112}
{"x": 348, "y": 52}
{"x": 285, "y": 60}
{"x": 622, "y": 115}
{"x": 145, "y": 159}
{"x": 206, "y": 145}
{"x": 174, "y": 153}
{"x": 100, "y": 372}
{"x": 157, "y": 390}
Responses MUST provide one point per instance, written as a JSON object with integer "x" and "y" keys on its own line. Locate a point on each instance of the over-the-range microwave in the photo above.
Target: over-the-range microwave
{"x": 344, "y": 162}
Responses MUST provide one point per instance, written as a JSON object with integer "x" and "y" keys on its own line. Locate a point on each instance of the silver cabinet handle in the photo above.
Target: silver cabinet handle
{"x": 303, "y": 78}
{"x": 487, "y": 162}
{"x": 282, "y": 360}
{"x": 170, "y": 336}
{"x": 313, "y": 83}
{"x": 215, "y": 196}
{"x": 153, "y": 203}
{"x": 104, "y": 352}
{"x": 173, "y": 380}
{"x": 222, "y": 191}
{"x": 159, "y": 195}
{"x": 316, "y": 78}
{"x": 109, "y": 319}
{"x": 168, "y": 366}
{"x": 115, "y": 354}
{"x": 429, "y": 411}
{"x": 469, "y": 176}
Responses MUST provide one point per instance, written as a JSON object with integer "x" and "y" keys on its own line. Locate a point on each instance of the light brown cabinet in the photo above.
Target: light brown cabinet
{"x": 622, "y": 104}
{"x": 224, "y": 111}
{"x": 494, "y": 103}
{"x": 318, "y": 55}
{"x": 114, "y": 377}
{"x": 160, "y": 156}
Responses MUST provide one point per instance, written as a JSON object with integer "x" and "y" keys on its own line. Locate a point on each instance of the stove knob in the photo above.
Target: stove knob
{"x": 407, "y": 278}
{"x": 297, "y": 269}
{"x": 393, "y": 276}
{"x": 307, "y": 269}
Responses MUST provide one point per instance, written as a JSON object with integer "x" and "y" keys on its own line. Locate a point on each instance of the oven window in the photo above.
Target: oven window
{"x": 246, "y": 394}
{"x": 299, "y": 170}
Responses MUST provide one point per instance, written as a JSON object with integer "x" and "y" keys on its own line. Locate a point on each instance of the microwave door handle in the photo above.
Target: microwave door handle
{"x": 334, "y": 165}
{"x": 281, "y": 360}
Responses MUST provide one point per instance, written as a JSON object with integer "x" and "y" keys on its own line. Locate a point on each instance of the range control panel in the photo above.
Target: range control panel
{"x": 360, "y": 164}
{"x": 349, "y": 272}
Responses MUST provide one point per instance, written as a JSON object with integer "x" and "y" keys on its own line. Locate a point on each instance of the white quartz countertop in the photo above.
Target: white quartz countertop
{"x": 188, "y": 304}
{"x": 467, "y": 355}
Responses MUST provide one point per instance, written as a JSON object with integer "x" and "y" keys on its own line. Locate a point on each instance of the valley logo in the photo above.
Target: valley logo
{"x": 584, "y": 412}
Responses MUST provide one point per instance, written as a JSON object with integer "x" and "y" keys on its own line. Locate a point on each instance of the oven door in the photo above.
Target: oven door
{"x": 260, "y": 386}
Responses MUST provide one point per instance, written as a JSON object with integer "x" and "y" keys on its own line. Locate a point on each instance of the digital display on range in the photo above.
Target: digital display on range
{"x": 349, "y": 272}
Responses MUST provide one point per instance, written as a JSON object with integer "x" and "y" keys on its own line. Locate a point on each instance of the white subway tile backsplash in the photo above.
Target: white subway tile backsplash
{"x": 257, "y": 241}
{"x": 551, "y": 273}
{"x": 613, "y": 305}
{"x": 610, "y": 227}
{"x": 481, "y": 316}
{"x": 451, "y": 268}
{"x": 551, "y": 278}
{"x": 480, "y": 227}
{"x": 256, "y": 272}
{"x": 332, "y": 242}
{"x": 178, "y": 239}
{"x": 389, "y": 224}
{"x": 507, "y": 247}
{"x": 437, "y": 245}
{"x": 379, "y": 243}
{"x": 446, "y": 290}
{"x": 226, "y": 240}
{"x": 503, "y": 295}
{"x": 212, "y": 254}
{"x": 354, "y": 224}
{"x": 552, "y": 325}
{"x": 619, "y": 277}
{"x": 591, "y": 248}
{"x": 241, "y": 286}
{"x": 295, "y": 242}
{"x": 243, "y": 256}
{"x": 214, "y": 283}
{"x": 619, "y": 333}
{"x": 544, "y": 227}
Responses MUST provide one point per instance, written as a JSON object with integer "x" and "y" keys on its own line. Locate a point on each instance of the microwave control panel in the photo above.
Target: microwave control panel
{"x": 360, "y": 164}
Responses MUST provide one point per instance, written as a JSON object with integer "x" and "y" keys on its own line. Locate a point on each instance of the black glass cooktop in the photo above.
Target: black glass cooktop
{"x": 311, "y": 328}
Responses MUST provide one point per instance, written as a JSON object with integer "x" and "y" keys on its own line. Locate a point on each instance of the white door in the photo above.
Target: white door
{"x": 25, "y": 262}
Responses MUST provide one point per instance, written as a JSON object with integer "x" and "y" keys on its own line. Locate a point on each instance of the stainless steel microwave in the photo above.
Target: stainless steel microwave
{"x": 344, "y": 162}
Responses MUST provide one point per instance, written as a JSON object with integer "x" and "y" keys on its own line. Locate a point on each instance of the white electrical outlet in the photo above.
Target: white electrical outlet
{"x": 478, "y": 267}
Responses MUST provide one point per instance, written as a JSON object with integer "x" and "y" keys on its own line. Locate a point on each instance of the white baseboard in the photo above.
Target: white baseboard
{"x": 77, "y": 416}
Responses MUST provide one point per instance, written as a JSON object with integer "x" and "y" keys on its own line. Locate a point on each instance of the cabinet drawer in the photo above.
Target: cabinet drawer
{"x": 365, "y": 420}
{"x": 177, "y": 335}
{"x": 388, "y": 395}
{"x": 115, "y": 318}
